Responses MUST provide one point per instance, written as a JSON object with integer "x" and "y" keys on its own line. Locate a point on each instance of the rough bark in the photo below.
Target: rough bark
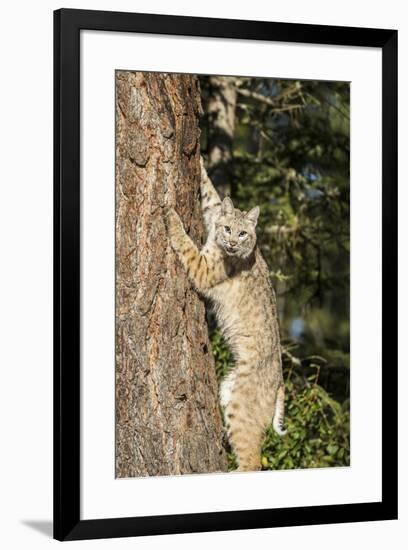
{"x": 221, "y": 125}
{"x": 167, "y": 413}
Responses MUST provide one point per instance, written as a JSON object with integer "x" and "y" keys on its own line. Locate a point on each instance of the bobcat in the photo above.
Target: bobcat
{"x": 230, "y": 271}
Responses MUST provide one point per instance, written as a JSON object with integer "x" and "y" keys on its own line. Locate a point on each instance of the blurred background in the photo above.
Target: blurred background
{"x": 285, "y": 145}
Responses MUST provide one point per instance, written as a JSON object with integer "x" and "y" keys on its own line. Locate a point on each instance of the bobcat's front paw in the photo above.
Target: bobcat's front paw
{"x": 174, "y": 225}
{"x": 171, "y": 219}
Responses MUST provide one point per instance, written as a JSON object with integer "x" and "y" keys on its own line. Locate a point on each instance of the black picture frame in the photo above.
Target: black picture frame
{"x": 67, "y": 26}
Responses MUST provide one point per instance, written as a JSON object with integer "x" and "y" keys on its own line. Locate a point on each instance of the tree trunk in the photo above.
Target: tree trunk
{"x": 221, "y": 125}
{"x": 167, "y": 413}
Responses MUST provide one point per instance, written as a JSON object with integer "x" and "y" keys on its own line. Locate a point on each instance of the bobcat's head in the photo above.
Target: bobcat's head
{"x": 235, "y": 230}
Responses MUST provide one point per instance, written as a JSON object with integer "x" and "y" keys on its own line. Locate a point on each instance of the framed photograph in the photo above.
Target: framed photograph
{"x": 225, "y": 274}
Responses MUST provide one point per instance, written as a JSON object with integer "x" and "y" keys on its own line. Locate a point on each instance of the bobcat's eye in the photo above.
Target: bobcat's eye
{"x": 227, "y": 229}
{"x": 243, "y": 234}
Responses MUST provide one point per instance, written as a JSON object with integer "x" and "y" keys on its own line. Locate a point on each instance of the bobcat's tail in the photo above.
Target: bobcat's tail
{"x": 279, "y": 411}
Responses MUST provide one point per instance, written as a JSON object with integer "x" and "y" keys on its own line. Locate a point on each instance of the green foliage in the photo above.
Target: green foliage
{"x": 318, "y": 427}
{"x": 222, "y": 354}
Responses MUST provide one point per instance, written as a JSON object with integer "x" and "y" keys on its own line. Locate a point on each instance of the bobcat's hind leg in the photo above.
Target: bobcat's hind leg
{"x": 226, "y": 389}
{"x": 246, "y": 427}
{"x": 248, "y": 414}
{"x": 245, "y": 435}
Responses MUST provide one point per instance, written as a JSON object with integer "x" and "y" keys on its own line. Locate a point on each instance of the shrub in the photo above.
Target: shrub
{"x": 318, "y": 426}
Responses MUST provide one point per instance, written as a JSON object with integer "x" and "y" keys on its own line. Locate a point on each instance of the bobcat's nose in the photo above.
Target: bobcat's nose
{"x": 233, "y": 244}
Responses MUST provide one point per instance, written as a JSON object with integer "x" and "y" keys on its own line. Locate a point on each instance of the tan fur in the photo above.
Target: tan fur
{"x": 230, "y": 271}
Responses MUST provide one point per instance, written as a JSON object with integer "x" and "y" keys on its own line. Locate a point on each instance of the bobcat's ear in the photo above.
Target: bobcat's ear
{"x": 253, "y": 214}
{"x": 227, "y": 206}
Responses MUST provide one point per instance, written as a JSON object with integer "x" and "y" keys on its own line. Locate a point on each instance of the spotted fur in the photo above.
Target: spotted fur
{"x": 230, "y": 271}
